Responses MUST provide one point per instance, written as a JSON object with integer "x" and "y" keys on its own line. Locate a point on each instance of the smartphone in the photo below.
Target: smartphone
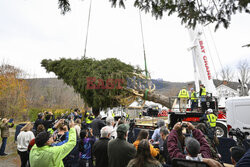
{"x": 11, "y": 120}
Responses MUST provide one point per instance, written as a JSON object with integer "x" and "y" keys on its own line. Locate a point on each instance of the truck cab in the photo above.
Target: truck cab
{"x": 238, "y": 113}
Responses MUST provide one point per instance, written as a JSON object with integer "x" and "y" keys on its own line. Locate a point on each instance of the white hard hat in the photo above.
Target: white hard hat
{"x": 209, "y": 110}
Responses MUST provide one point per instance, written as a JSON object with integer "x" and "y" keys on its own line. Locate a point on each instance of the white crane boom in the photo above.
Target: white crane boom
{"x": 200, "y": 60}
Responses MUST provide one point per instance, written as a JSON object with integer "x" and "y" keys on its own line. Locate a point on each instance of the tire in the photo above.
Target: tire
{"x": 221, "y": 130}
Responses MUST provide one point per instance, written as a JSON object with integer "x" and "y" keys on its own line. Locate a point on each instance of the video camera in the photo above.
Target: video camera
{"x": 240, "y": 136}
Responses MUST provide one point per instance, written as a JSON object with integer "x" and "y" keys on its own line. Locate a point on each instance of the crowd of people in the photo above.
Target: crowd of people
{"x": 68, "y": 141}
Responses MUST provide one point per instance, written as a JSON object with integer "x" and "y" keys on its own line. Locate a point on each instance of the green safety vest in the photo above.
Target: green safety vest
{"x": 203, "y": 92}
{"x": 194, "y": 96}
{"x": 212, "y": 120}
{"x": 183, "y": 94}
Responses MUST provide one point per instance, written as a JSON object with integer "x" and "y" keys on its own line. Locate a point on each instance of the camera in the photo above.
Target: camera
{"x": 240, "y": 136}
{"x": 184, "y": 125}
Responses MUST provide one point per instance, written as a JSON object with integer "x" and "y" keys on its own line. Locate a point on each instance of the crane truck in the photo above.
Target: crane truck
{"x": 202, "y": 74}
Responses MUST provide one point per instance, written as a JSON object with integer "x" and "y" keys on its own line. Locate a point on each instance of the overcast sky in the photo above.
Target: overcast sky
{"x": 32, "y": 30}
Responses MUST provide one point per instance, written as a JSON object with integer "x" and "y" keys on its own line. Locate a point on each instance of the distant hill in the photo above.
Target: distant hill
{"x": 52, "y": 92}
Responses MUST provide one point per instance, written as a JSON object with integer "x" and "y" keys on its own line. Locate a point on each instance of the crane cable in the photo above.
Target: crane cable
{"x": 216, "y": 50}
{"x": 86, "y": 40}
{"x": 143, "y": 44}
{"x": 209, "y": 52}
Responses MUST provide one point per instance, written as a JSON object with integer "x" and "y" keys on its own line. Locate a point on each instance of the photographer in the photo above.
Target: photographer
{"x": 49, "y": 120}
{"x": 176, "y": 141}
{"x": 5, "y": 133}
{"x": 42, "y": 154}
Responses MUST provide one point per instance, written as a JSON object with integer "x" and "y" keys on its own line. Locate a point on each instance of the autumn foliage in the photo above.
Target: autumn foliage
{"x": 12, "y": 91}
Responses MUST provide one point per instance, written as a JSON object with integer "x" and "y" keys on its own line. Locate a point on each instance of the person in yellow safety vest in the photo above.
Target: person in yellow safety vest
{"x": 140, "y": 114}
{"x": 89, "y": 118}
{"x": 211, "y": 118}
{"x": 194, "y": 99}
{"x": 127, "y": 117}
{"x": 113, "y": 115}
{"x": 183, "y": 96}
{"x": 203, "y": 93}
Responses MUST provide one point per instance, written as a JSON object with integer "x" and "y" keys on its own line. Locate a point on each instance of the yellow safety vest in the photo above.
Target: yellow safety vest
{"x": 87, "y": 119}
{"x": 113, "y": 115}
{"x": 183, "y": 94}
{"x": 50, "y": 130}
{"x": 194, "y": 96}
{"x": 212, "y": 120}
{"x": 203, "y": 92}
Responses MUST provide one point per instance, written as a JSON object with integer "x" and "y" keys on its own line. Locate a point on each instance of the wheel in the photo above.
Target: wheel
{"x": 220, "y": 130}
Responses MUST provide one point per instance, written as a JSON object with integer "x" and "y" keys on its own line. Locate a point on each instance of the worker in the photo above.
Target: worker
{"x": 113, "y": 114}
{"x": 89, "y": 118}
{"x": 127, "y": 117}
{"x": 211, "y": 119}
{"x": 140, "y": 114}
{"x": 183, "y": 97}
{"x": 194, "y": 99}
{"x": 203, "y": 93}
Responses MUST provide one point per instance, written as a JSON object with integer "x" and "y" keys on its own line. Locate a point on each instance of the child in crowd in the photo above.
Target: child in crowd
{"x": 85, "y": 148}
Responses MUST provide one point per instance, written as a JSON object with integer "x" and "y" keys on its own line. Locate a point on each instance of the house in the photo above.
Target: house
{"x": 226, "y": 89}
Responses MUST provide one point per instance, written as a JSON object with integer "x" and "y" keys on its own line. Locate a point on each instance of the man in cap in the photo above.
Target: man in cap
{"x": 120, "y": 152}
{"x": 42, "y": 154}
{"x": 183, "y": 96}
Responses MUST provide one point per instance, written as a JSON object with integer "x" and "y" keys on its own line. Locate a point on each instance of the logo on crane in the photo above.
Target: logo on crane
{"x": 205, "y": 60}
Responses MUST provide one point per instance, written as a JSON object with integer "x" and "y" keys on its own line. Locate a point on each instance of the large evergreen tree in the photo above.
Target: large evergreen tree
{"x": 115, "y": 75}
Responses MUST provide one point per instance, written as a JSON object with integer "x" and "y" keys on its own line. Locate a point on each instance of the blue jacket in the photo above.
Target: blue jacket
{"x": 245, "y": 160}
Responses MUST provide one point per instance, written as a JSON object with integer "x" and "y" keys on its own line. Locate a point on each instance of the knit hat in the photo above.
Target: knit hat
{"x": 122, "y": 128}
{"x": 42, "y": 138}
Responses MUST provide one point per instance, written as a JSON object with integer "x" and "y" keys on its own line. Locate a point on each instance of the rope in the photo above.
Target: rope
{"x": 146, "y": 94}
{"x": 144, "y": 52}
{"x": 216, "y": 50}
{"x": 86, "y": 40}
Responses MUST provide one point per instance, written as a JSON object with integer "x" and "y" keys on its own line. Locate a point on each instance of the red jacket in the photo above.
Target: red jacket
{"x": 174, "y": 151}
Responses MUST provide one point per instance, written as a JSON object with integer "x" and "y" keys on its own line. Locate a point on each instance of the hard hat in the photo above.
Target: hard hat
{"x": 209, "y": 110}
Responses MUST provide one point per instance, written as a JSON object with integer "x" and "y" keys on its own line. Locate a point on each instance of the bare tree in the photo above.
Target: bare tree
{"x": 244, "y": 71}
{"x": 227, "y": 74}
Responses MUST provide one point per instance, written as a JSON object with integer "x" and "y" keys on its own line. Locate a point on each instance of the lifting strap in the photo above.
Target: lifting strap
{"x": 86, "y": 40}
{"x": 144, "y": 52}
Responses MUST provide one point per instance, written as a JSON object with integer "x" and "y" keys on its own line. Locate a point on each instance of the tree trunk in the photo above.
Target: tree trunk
{"x": 158, "y": 98}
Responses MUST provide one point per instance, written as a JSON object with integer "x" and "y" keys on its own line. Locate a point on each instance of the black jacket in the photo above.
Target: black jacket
{"x": 100, "y": 152}
{"x": 38, "y": 122}
{"x": 97, "y": 125}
